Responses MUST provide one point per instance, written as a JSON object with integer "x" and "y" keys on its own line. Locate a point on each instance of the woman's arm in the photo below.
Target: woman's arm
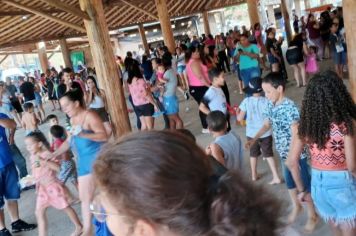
{"x": 350, "y": 152}
{"x": 96, "y": 125}
{"x": 61, "y": 150}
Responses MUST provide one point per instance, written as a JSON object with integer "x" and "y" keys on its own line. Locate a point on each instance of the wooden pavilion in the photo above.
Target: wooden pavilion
{"x": 24, "y": 23}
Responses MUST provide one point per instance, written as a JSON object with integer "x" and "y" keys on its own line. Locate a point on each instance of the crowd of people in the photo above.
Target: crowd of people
{"x": 162, "y": 182}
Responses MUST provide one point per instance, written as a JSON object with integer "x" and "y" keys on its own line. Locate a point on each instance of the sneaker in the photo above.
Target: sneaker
{"x": 21, "y": 225}
{"x": 5, "y": 232}
{"x": 205, "y": 131}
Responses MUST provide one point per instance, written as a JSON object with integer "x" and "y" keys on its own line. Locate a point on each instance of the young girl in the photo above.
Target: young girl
{"x": 311, "y": 66}
{"x": 50, "y": 192}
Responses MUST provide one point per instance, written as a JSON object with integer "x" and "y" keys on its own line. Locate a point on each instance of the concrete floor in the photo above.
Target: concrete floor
{"x": 60, "y": 225}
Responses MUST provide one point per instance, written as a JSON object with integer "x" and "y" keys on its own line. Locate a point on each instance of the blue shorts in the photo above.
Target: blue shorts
{"x": 181, "y": 69}
{"x": 272, "y": 59}
{"x": 248, "y": 74}
{"x": 171, "y": 105}
{"x": 340, "y": 58}
{"x": 9, "y": 184}
{"x": 334, "y": 195}
{"x": 304, "y": 173}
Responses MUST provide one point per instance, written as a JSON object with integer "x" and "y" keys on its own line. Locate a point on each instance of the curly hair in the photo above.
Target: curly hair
{"x": 326, "y": 101}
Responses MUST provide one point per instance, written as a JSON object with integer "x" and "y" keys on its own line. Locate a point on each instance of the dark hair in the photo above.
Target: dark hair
{"x": 38, "y": 136}
{"x": 189, "y": 52}
{"x": 326, "y": 101}
{"x": 96, "y": 86}
{"x": 52, "y": 116}
{"x": 43, "y": 74}
{"x": 256, "y": 25}
{"x": 27, "y": 106}
{"x": 244, "y": 35}
{"x": 144, "y": 58}
{"x": 166, "y": 61}
{"x": 134, "y": 71}
{"x": 214, "y": 73}
{"x": 275, "y": 79}
{"x": 57, "y": 131}
{"x": 187, "y": 133}
{"x": 67, "y": 70}
{"x": 217, "y": 121}
{"x": 175, "y": 187}
{"x": 75, "y": 95}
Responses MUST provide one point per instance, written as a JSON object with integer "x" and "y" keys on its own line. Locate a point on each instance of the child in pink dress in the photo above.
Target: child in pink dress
{"x": 311, "y": 66}
{"x": 50, "y": 191}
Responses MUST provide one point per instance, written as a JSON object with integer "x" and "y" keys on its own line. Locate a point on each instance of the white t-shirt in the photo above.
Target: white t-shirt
{"x": 215, "y": 99}
{"x": 254, "y": 108}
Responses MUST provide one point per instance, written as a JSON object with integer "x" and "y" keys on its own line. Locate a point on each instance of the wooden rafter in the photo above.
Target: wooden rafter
{"x": 45, "y": 15}
{"x": 25, "y": 13}
{"x": 67, "y": 8}
{"x": 4, "y": 58}
{"x": 140, "y": 9}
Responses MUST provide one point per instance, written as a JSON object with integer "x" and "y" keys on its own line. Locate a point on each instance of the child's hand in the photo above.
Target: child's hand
{"x": 208, "y": 150}
{"x": 249, "y": 143}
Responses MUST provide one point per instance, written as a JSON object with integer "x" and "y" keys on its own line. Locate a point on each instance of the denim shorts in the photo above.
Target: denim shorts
{"x": 272, "y": 59}
{"x": 171, "y": 105}
{"x": 181, "y": 69}
{"x": 339, "y": 58}
{"x": 9, "y": 184}
{"x": 248, "y": 74}
{"x": 334, "y": 195}
{"x": 304, "y": 173}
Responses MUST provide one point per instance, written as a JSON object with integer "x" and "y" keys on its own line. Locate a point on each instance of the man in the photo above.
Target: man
{"x": 27, "y": 90}
{"x": 9, "y": 188}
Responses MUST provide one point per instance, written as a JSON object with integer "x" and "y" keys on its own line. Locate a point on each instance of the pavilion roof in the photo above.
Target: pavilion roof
{"x": 23, "y": 21}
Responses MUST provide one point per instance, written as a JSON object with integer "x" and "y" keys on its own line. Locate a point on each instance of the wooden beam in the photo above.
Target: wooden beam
{"x": 45, "y": 15}
{"x": 206, "y": 23}
{"x": 253, "y": 12}
{"x": 25, "y": 13}
{"x": 141, "y": 29}
{"x": 349, "y": 7}
{"x": 65, "y": 53}
{"x": 4, "y": 58}
{"x": 42, "y": 54}
{"x": 105, "y": 65}
{"x": 67, "y": 8}
{"x": 140, "y": 9}
{"x": 166, "y": 26}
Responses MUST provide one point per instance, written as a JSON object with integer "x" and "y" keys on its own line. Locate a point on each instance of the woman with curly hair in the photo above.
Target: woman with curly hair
{"x": 328, "y": 127}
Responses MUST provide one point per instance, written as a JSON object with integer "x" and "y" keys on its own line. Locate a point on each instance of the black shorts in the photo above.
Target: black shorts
{"x": 145, "y": 110}
{"x": 294, "y": 56}
{"x": 17, "y": 105}
{"x": 262, "y": 146}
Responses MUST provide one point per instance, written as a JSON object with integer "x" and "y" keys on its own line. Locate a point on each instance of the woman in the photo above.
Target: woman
{"x": 146, "y": 67}
{"x": 295, "y": 58}
{"x": 38, "y": 99}
{"x": 86, "y": 138}
{"x": 259, "y": 39}
{"x": 141, "y": 97}
{"x": 97, "y": 102}
{"x": 338, "y": 49}
{"x": 172, "y": 191}
{"x": 223, "y": 59}
{"x": 313, "y": 28}
{"x": 8, "y": 92}
{"x": 328, "y": 127}
{"x": 272, "y": 49}
{"x": 198, "y": 80}
{"x": 180, "y": 58}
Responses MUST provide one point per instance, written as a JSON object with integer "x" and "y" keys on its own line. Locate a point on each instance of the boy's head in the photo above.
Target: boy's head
{"x": 57, "y": 131}
{"x": 216, "y": 76}
{"x": 217, "y": 121}
{"x": 53, "y": 120}
{"x": 254, "y": 86}
{"x": 273, "y": 85}
{"x": 28, "y": 107}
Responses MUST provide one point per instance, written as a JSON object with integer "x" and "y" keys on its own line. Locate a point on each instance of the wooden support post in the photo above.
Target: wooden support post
{"x": 287, "y": 26}
{"x": 42, "y": 54}
{"x": 4, "y": 58}
{"x": 141, "y": 29}
{"x": 206, "y": 23}
{"x": 349, "y": 7}
{"x": 271, "y": 15}
{"x": 253, "y": 12}
{"x": 106, "y": 68}
{"x": 65, "y": 53}
{"x": 297, "y": 7}
{"x": 165, "y": 22}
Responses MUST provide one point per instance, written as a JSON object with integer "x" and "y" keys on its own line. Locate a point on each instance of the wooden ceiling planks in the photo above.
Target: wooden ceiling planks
{"x": 14, "y": 29}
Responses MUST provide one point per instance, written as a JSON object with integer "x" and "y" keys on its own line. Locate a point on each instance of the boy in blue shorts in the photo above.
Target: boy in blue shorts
{"x": 281, "y": 115}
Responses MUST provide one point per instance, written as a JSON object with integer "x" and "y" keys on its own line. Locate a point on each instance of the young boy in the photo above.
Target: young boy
{"x": 214, "y": 98}
{"x": 29, "y": 119}
{"x": 53, "y": 120}
{"x": 254, "y": 107}
{"x": 281, "y": 115}
{"x": 227, "y": 146}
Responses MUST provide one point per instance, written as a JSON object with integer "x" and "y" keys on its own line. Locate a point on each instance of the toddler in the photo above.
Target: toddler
{"x": 311, "y": 66}
{"x": 29, "y": 119}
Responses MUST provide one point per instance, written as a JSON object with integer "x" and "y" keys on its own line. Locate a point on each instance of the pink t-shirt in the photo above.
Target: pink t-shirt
{"x": 210, "y": 42}
{"x": 138, "y": 92}
{"x": 192, "y": 78}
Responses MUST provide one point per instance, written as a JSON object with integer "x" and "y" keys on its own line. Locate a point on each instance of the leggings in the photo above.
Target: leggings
{"x": 225, "y": 89}
{"x": 223, "y": 59}
{"x": 198, "y": 93}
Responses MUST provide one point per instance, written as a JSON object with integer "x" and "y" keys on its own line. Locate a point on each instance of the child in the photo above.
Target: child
{"x": 160, "y": 81}
{"x": 227, "y": 147}
{"x": 254, "y": 107}
{"x": 67, "y": 167}
{"x": 50, "y": 192}
{"x": 281, "y": 115}
{"x": 214, "y": 98}
{"x": 311, "y": 66}
{"x": 53, "y": 120}
{"x": 29, "y": 119}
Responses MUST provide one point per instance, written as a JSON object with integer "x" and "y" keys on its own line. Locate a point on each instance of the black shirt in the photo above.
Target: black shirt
{"x": 28, "y": 91}
{"x": 271, "y": 43}
{"x": 12, "y": 90}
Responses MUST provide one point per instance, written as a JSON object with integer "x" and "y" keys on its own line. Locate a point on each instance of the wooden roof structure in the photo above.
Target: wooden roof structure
{"x": 30, "y": 21}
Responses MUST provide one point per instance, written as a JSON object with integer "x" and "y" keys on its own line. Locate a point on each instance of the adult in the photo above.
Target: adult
{"x": 259, "y": 41}
{"x": 328, "y": 127}
{"x": 295, "y": 58}
{"x": 248, "y": 56}
{"x": 27, "y": 90}
{"x": 67, "y": 83}
{"x": 38, "y": 99}
{"x": 274, "y": 57}
{"x": 146, "y": 67}
{"x": 96, "y": 101}
{"x": 296, "y": 24}
{"x": 338, "y": 49}
{"x": 198, "y": 80}
{"x": 182, "y": 76}
{"x": 194, "y": 42}
{"x": 210, "y": 42}
{"x": 51, "y": 79}
{"x": 9, "y": 187}
{"x": 325, "y": 24}
{"x": 11, "y": 104}
{"x": 86, "y": 138}
{"x": 221, "y": 48}
{"x": 170, "y": 99}
{"x": 173, "y": 174}
{"x": 313, "y": 28}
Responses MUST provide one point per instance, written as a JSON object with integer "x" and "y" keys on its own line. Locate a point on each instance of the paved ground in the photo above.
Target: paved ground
{"x": 59, "y": 224}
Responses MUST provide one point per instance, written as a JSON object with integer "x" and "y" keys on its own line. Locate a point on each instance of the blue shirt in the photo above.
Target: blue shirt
{"x": 282, "y": 116}
{"x": 247, "y": 62}
{"x": 5, "y": 151}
